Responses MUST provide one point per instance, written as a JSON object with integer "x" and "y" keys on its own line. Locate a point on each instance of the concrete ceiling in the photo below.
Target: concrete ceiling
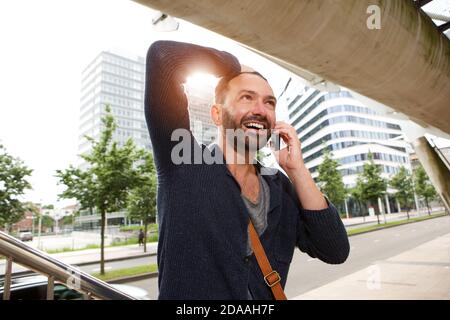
{"x": 404, "y": 65}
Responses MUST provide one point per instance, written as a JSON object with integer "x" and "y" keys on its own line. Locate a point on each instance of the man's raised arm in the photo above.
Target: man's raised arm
{"x": 166, "y": 105}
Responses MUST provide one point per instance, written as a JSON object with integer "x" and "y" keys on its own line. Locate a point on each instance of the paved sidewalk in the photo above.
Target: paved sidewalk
{"x": 417, "y": 274}
{"x": 93, "y": 255}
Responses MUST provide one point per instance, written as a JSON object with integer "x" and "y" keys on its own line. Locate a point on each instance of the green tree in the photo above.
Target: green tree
{"x": 330, "y": 179}
{"x": 142, "y": 198}
{"x": 403, "y": 184}
{"x": 47, "y": 222}
{"x": 68, "y": 220}
{"x": 13, "y": 183}
{"x": 80, "y": 185}
{"x": 111, "y": 174}
{"x": 424, "y": 188}
{"x": 371, "y": 185}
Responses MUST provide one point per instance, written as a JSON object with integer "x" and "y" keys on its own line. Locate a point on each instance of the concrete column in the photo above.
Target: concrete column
{"x": 437, "y": 170}
{"x": 399, "y": 209}
{"x": 416, "y": 201}
{"x": 388, "y": 207}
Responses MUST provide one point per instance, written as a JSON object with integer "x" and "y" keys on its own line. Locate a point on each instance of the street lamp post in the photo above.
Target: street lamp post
{"x": 39, "y": 231}
{"x": 32, "y": 225}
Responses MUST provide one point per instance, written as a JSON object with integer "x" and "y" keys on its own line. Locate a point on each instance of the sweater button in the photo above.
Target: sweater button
{"x": 246, "y": 259}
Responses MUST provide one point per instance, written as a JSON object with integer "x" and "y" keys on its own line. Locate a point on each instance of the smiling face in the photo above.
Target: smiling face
{"x": 247, "y": 109}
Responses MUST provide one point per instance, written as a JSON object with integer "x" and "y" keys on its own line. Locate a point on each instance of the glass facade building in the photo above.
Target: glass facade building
{"x": 117, "y": 81}
{"x": 350, "y": 130}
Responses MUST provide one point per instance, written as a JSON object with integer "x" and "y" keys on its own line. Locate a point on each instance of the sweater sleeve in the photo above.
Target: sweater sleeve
{"x": 321, "y": 234}
{"x": 166, "y": 106}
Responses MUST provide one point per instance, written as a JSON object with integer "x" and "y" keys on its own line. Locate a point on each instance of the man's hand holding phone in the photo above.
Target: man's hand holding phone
{"x": 289, "y": 156}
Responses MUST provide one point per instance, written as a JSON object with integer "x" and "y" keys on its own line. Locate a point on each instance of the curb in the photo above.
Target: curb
{"x": 138, "y": 277}
{"x": 371, "y": 222}
{"x": 397, "y": 225}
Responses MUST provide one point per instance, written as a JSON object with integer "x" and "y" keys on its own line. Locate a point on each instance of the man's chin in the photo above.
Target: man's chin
{"x": 255, "y": 143}
{"x": 247, "y": 140}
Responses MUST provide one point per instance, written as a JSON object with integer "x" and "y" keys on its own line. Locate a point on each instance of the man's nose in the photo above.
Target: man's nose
{"x": 259, "y": 108}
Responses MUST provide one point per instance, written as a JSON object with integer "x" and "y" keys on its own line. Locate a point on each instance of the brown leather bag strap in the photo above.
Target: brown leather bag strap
{"x": 271, "y": 277}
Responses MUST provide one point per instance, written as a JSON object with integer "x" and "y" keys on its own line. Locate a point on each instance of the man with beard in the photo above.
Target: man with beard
{"x": 204, "y": 210}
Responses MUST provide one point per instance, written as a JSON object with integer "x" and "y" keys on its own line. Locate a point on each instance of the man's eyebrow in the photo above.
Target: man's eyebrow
{"x": 255, "y": 93}
{"x": 272, "y": 98}
{"x": 248, "y": 91}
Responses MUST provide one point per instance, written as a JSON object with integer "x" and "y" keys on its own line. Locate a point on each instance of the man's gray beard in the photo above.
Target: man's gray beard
{"x": 239, "y": 140}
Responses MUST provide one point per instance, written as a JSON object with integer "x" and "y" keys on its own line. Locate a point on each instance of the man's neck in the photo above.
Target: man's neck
{"x": 240, "y": 165}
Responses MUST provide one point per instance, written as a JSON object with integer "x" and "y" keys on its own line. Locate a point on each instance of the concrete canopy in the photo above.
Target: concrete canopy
{"x": 404, "y": 65}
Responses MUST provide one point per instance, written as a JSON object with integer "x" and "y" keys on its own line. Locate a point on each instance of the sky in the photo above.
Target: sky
{"x": 46, "y": 44}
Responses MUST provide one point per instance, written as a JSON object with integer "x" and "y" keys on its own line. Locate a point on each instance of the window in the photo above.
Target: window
{"x": 343, "y": 119}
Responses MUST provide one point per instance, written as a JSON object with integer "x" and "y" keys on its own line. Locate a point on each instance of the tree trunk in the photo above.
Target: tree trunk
{"x": 362, "y": 210}
{"x": 428, "y": 207}
{"x": 102, "y": 243}
{"x": 145, "y": 234}
{"x": 377, "y": 210}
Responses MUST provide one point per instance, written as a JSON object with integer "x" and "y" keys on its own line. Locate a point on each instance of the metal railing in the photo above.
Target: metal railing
{"x": 16, "y": 251}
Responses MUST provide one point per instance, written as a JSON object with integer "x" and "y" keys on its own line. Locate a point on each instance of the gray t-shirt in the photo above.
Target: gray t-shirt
{"x": 258, "y": 213}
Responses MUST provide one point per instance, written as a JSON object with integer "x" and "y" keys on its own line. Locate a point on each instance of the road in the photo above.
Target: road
{"x": 366, "y": 249}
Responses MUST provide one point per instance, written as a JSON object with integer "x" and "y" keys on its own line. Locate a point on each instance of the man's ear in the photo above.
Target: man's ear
{"x": 216, "y": 114}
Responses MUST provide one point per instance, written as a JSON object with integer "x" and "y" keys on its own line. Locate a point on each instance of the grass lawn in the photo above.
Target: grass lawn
{"x": 133, "y": 271}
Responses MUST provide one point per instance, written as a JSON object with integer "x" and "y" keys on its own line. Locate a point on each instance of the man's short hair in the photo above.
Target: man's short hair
{"x": 222, "y": 85}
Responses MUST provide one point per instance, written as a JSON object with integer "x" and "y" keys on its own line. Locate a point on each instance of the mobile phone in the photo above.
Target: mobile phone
{"x": 276, "y": 143}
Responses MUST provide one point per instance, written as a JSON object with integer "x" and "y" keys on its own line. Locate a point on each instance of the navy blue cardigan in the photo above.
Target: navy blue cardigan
{"x": 203, "y": 220}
